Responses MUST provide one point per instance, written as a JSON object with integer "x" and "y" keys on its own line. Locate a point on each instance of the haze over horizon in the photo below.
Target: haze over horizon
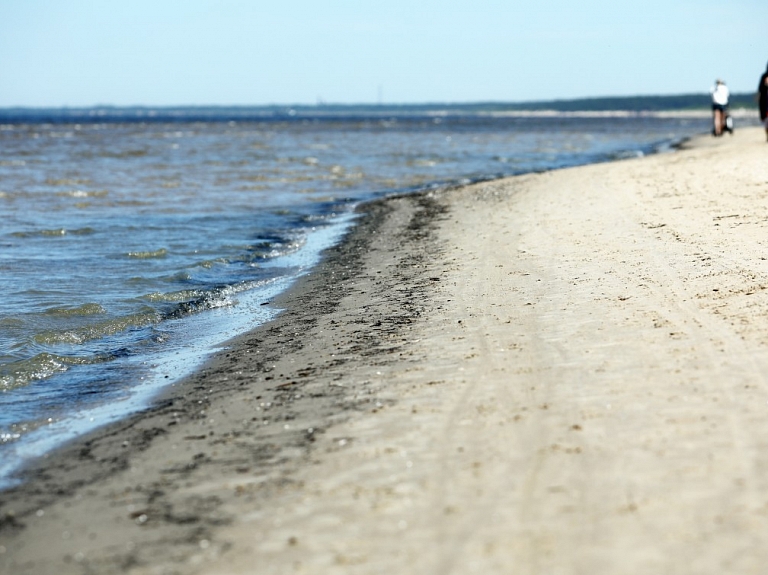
{"x": 235, "y": 52}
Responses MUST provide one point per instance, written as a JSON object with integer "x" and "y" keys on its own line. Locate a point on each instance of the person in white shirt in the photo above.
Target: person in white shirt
{"x": 720, "y": 96}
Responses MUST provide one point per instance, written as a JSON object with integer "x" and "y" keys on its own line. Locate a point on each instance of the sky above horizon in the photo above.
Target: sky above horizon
{"x": 241, "y": 52}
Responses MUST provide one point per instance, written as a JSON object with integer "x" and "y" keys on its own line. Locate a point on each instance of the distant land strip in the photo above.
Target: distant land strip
{"x": 633, "y": 104}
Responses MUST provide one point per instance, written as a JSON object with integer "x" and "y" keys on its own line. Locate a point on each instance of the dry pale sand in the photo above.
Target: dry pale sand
{"x": 560, "y": 373}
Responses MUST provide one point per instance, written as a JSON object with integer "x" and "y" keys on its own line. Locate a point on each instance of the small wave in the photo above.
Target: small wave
{"x": 84, "y": 194}
{"x": 41, "y": 366}
{"x": 82, "y": 231}
{"x": 173, "y": 297}
{"x": 423, "y": 163}
{"x": 181, "y": 276}
{"x": 161, "y": 253}
{"x": 83, "y": 310}
{"x": 67, "y": 181}
{"x": 55, "y": 232}
{"x": 127, "y": 154}
{"x": 210, "y": 300}
{"x": 23, "y": 372}
{"x": 209, "y": 264}
{"x": 98, "y": 330}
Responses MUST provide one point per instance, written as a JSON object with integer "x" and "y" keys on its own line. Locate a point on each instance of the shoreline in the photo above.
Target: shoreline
{"x": 542, "y": 350}
{"x": 67, "y": 389}
{"x": 99, "y": 456}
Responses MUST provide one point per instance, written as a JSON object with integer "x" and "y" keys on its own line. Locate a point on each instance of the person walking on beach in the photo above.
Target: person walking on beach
{"x": 762, "y": 98}
{"x": 720, "y": 97}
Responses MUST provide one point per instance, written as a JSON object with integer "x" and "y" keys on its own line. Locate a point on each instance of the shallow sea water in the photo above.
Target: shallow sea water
{"x": 133, "y": 246}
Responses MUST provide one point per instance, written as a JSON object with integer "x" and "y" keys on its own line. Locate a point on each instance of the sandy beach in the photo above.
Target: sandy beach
{"x": 557, "y": 373}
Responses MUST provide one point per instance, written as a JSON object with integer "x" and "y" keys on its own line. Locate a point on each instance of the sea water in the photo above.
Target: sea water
{"x": 134, "y": 242}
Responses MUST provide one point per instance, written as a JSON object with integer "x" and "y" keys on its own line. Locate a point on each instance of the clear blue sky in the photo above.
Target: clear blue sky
{"x": 176, "y": 52}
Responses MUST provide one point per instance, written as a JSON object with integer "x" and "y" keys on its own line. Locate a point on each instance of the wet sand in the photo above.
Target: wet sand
{"x": 556, "y": 373}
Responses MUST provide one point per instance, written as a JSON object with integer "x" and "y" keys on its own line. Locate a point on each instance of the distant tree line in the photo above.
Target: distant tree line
{"x": 632, "y": 103}
{"x": 679, "y": 102}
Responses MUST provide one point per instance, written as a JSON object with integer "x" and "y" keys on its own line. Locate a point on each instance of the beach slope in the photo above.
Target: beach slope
{"x": 556, "y": 373}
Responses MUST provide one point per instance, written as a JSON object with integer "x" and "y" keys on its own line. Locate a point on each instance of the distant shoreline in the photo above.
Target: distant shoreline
{"x": 693, "y": 105}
